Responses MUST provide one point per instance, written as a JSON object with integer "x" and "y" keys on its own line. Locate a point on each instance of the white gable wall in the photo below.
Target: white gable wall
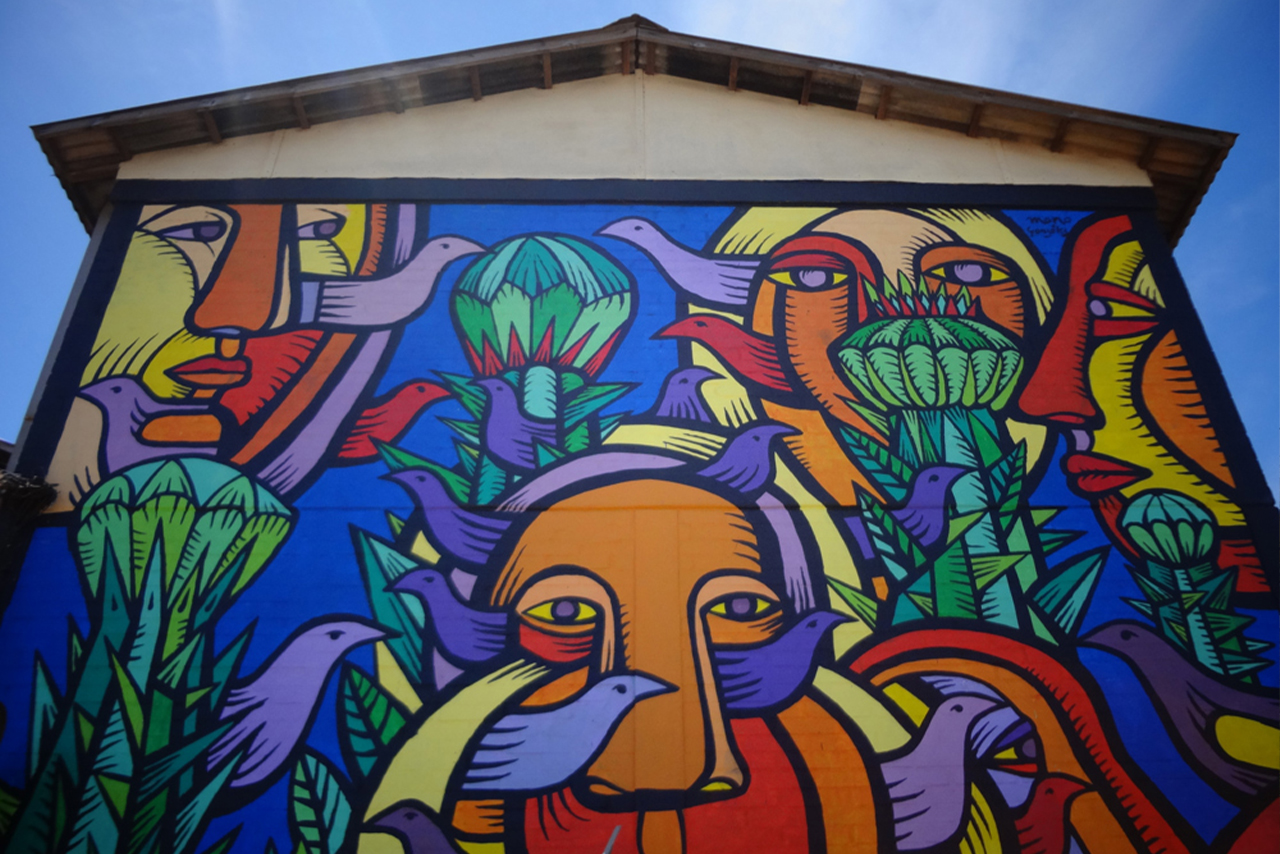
{"x": 637, "y": 126}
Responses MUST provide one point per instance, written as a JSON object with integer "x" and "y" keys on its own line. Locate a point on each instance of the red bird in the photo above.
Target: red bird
{"x": 751, "y": 357}
{"x": 389, "y": 419}
{"x": 1043, "y": 828}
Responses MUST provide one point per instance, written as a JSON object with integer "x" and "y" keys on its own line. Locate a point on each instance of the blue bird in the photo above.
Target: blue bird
{"x": 764, "y": 676}
{"x": 923, "y": 514}
{"x": 468, "y": 536}
{"x": 509, "y": 434}
{"x": 466, "y": 635}
{"x": 680, "y": 397}
{"x": 746, "y": 463}
{"x": 536, "y": 751}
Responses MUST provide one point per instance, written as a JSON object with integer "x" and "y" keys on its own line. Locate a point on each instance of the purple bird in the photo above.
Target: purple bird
{"x": 468, "y": 536}
{"x": 415, "y": 827}
{"x": 126, "y": 407}
{"x": 680, "y": 397}
{"x": 1195, "y": 704}
{"x": 273, "y": 709}
{"x": 530, "y": 751}
{"x": 467, "y": 635}
{"x": 722, "y": 281}
{"x": 746, "y": 462}
{"x": 769, "y": 675}
{"x": 386, "y": 301}
{"x": 509, "y": 434}
{"x": 923, "y": 514}
{"x": 929, "y": 786}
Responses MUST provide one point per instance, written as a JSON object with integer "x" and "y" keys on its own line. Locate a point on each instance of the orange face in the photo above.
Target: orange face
{"x": 602, "y": 587}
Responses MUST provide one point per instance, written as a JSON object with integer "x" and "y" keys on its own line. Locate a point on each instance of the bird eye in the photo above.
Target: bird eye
{"x": 444, "y": 245}
{"x": 701, "y": 324}
{"x": 621, "y": 689}
{"x": 335, "y": 634}
{"x": 410, "y": 816}
{"x": 744, "y": 606}
{"x": 933, "y": 478}
{"x": 564, "y": 612}
{"x": 1049, "y": 790}
{"x": 322, "y": 230}
{"x": 958, "y": 707}
{"x": 117, "y": 389}
{"x": 638, "y": 228}
{"x": 1125, "y": 634}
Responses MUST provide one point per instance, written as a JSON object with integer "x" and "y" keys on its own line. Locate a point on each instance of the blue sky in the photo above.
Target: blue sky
{"x": 1205, "y": 62}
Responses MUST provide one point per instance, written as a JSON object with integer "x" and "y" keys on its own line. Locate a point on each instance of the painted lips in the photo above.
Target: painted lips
{"x": 1094, "y": 473}
{"x": 211, "y": 372}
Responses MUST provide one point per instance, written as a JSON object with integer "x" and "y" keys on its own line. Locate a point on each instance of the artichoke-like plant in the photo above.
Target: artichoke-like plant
{"x": 930, "y": 363}
{"x": 545, "y": 299}
{"x": 1170, "y": 528}
{"x": 163, "y": 549}
{"x": 1184, "y": 593}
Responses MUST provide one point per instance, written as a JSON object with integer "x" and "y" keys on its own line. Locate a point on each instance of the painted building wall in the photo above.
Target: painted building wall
{"x": 404, "y": 513}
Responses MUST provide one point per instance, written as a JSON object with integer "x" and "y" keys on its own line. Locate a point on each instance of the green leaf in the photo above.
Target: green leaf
{"x": 609, "y": 423}
{"x": 161, "y": 769}
{"x": 193, "y": 816}
{"x": 591, "y": 399}
{"x": 10, "y": 800}
{"x": 45, "y": 703}
{"x": 886, "y": 469}
{"x": 395, "y": 523}
{"x": 380, "y": 566}
{"x": 468, "y": 431}
{"x": 1064, "y": 597}
{"x": 987, "y": 568}
{"x": 369, "y": 719}
{"x": 490, "y": 482}
{"x": 863, "y": 605}
{"x": 953, "y": 585}
{"x": 1053, "y": 541}
{"x": 319, "y": 811}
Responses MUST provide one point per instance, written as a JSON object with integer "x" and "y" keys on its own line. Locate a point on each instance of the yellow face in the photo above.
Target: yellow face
{"x": 197, "y": 279}
{"x": 1151, "y": 414}
{"x": 599, "y": 586}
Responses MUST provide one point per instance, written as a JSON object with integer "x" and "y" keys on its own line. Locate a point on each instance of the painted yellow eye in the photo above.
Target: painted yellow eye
{"x": 563, "y": 612}
{"x": 744, "y": 606}
{"x": 971, "y": 273}
{"x": 808, "y": 277}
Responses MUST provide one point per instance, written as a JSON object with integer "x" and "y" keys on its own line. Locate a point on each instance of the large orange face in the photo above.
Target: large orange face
{"x": 646, "y": 576}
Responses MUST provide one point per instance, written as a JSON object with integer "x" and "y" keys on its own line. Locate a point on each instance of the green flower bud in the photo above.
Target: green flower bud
{"x": 1169, "y": 528}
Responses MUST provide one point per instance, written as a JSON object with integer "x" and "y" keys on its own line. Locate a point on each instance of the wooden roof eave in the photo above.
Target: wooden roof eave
{"x": 85, "y": 153}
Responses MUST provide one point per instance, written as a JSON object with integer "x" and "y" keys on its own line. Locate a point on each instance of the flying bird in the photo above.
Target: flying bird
{"x": 766, "y": 676}
{"x": 751, "y": 358}
{"x": 1044, "y": 828}
{"x": 746, "y": 463}
{"x": 389, "y": 419}
{"x": 126, "y": 407}
{"x": 929, "y": 785}
{"x": 386, "y": 301}
{"x": 536, "y": 751}
{"x": 1198, "y": 707}
{"x": 722, "y": 281}
{"x": 923, "y": 514}
{"x": 680, "y": 397}
{"x": 467, "y": 635}
{"x": 273, "y": 709}
{"x": 415, "y": 827}
{"x": 468, "y": 536}
{"x": 509, "y": 434}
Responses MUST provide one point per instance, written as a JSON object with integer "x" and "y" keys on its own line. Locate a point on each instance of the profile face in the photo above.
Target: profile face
{"x": 601, "y": 587}
{"x": 199, "y": 280}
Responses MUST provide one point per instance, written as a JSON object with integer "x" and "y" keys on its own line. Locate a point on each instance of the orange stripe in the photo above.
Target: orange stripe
{"x": 306, "y": 390}
{"x": 840, "y": 775}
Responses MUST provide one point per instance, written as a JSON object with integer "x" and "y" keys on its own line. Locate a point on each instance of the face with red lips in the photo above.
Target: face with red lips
{"x": 1114, "y": 378}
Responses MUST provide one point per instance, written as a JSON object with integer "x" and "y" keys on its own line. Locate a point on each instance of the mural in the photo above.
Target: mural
{"x": 418, "y": 527}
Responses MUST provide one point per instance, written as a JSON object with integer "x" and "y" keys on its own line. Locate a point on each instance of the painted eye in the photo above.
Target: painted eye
{"x": 202, "y": 232}
{"x": 564, "y": 612}
{"x": 745, "y": 606}
{"x": 335, "y": 634}
{"x": 322, "y": 230}
{"x": 970, "y": 273}
{"x": 810, "y": 278}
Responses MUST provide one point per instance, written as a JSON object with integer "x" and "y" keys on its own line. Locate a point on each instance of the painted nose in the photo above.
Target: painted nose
{"x": 672, "y": 743}
{"x": 244, "y": 296}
